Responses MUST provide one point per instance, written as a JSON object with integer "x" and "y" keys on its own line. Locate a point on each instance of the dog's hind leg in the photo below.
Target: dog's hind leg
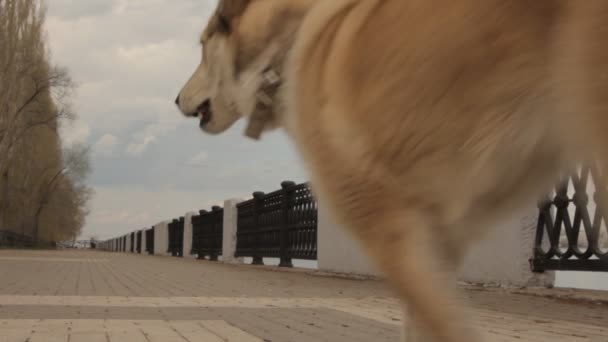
{"x": 401, "y": 243}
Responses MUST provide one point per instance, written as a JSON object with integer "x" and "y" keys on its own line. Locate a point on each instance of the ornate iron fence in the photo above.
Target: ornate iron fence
{"x": 207, "y": 233}
{"x": 150, "y": 241}
{"x": 138, "y": 242}
{"x": 176, "y": 237}
{"x": 281, "y": 224}
{"x": 571, "y": 233}
{"x": 132, "y": 242}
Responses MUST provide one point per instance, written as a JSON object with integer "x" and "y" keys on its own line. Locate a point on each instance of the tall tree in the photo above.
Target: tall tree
{"x": 36, "y": 174}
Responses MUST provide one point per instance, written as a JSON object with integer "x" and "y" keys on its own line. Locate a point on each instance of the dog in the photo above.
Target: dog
{"x": 422, "y": 123}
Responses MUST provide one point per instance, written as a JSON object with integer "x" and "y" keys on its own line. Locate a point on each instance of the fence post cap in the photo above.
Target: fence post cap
{"x": 286, "y": 185}
{"x": 258, "y": 195}
{"x": 216, "y": 208}
{"x": 202, "y": 212}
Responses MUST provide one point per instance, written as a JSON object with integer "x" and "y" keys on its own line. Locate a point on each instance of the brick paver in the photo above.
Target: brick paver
{"x": 73, "y": 296}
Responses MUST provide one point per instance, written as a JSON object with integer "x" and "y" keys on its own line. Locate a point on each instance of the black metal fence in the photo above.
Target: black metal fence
{"x": 150, "y": 241}
{"x": 571, "y": 232}
{"x": 132, "y": 242}
{"x": 138, "y": 242}
{"x": 281, "y": 224}
{"x": 208, "y": 233}
{"x": 176, "y": 237}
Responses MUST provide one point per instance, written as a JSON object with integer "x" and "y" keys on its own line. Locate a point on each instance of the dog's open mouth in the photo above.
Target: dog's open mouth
{"x": 204, "y": 113}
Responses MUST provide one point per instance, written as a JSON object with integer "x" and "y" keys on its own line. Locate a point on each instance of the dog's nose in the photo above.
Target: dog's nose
{"x": 177, "y": 100}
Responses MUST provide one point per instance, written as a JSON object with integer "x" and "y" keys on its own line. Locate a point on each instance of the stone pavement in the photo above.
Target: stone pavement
{"x": 82, "y": 296}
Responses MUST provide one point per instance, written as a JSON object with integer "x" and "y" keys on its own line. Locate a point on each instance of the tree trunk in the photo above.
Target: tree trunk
{"x": 37, "y": 220}
{"x": 4, "y": 200}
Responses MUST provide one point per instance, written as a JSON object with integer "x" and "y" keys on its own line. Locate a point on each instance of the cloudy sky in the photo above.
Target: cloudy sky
{"x": 129, "y": 59}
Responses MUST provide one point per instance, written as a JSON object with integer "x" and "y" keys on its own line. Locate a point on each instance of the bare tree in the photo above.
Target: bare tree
{"x": 32, "y": 93}
{"x": 70, "y": 178}
{"x": 42, "y": 187}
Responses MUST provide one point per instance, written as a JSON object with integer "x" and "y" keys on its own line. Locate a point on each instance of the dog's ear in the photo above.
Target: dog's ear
{"x": 228, "y": 10}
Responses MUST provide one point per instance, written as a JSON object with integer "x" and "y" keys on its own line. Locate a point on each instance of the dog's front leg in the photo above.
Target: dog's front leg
{"x": 403, "y": 245}
{"x": 410, "y": 332}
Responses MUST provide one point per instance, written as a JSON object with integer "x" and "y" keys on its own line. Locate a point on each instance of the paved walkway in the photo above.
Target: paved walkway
{"x": 76, "y": 296}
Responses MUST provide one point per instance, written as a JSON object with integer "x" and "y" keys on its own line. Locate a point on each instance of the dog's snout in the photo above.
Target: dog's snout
{"x": 177, "y": 100}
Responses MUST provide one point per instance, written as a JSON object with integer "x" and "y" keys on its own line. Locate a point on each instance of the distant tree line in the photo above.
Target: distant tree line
{"x": 43, "y": 192}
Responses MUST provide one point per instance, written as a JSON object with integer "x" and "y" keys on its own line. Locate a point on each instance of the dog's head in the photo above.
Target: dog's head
{"x": 241, "y": 41}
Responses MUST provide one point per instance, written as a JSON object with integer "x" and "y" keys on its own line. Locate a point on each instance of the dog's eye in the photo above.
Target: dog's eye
{"x": 224, "y": 24}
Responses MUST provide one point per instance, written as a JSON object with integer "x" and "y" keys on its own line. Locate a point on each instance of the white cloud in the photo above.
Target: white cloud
{"x": 106, "y": 145}
{"x": 129, "y": 59}
{"x": 75, "y": 132}
{"x": 151, "y": 56}
{"x": 199, "y": 159}
{"x": 163, "y": 125}
{"x": 139, "y": 147}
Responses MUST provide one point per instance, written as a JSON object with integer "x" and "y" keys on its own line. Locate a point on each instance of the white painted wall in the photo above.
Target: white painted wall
{"x": 229, "y": 239}
{"x": 502, "y": 257}
{"x": 161, "y": 238}
{"x": 499, "y": 259}
{"x": 188, "y": 235}
{"x": 337, "y": 251}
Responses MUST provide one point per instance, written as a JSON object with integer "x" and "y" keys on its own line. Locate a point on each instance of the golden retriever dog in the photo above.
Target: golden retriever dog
{"x": 421, "y": 122}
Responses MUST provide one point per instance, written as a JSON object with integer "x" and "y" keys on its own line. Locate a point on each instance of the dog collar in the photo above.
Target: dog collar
{"x": 264, "y": 109}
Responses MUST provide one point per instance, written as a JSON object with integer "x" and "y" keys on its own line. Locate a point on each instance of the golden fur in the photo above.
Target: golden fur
{"x": 422, "y": 122}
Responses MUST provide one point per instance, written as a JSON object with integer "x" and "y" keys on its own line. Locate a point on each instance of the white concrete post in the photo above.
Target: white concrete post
{"x": 134, "y": 238}
{"x": 229, "y": 238}
{"x": 161, "y": 238}
{"x": 502, "y": 257}
{"x": 187, "y": 244}
{"x": 143, "y": 241}
{"x": 337, "y": 250}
